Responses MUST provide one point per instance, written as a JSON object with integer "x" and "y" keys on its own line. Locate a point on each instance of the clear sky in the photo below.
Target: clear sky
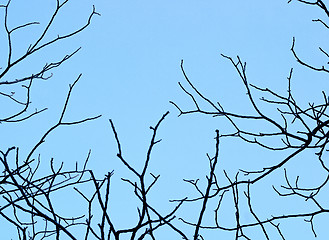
{"x": 130, "y": 65}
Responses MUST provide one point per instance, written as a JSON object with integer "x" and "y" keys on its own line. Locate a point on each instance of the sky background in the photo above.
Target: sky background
{"x": 130, "y": 65}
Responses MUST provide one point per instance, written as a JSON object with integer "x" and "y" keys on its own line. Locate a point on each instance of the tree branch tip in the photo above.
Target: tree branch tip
{"x": 94, "y": 11}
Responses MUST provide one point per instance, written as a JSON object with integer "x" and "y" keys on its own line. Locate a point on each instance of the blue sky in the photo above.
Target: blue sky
{"x": 130, "y": 65}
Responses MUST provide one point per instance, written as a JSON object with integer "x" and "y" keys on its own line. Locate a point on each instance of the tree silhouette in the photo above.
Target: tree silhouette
{"x": 28, "y": 192}
{"x": 300, "y": 129}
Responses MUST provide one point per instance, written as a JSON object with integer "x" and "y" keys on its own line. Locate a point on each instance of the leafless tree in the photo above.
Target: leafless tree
{"x": 27, "y": 193}
{"x": 300, "y": 129}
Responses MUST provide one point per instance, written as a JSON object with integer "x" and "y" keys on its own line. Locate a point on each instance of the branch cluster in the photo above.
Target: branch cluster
{"x": 300, "y": 129}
